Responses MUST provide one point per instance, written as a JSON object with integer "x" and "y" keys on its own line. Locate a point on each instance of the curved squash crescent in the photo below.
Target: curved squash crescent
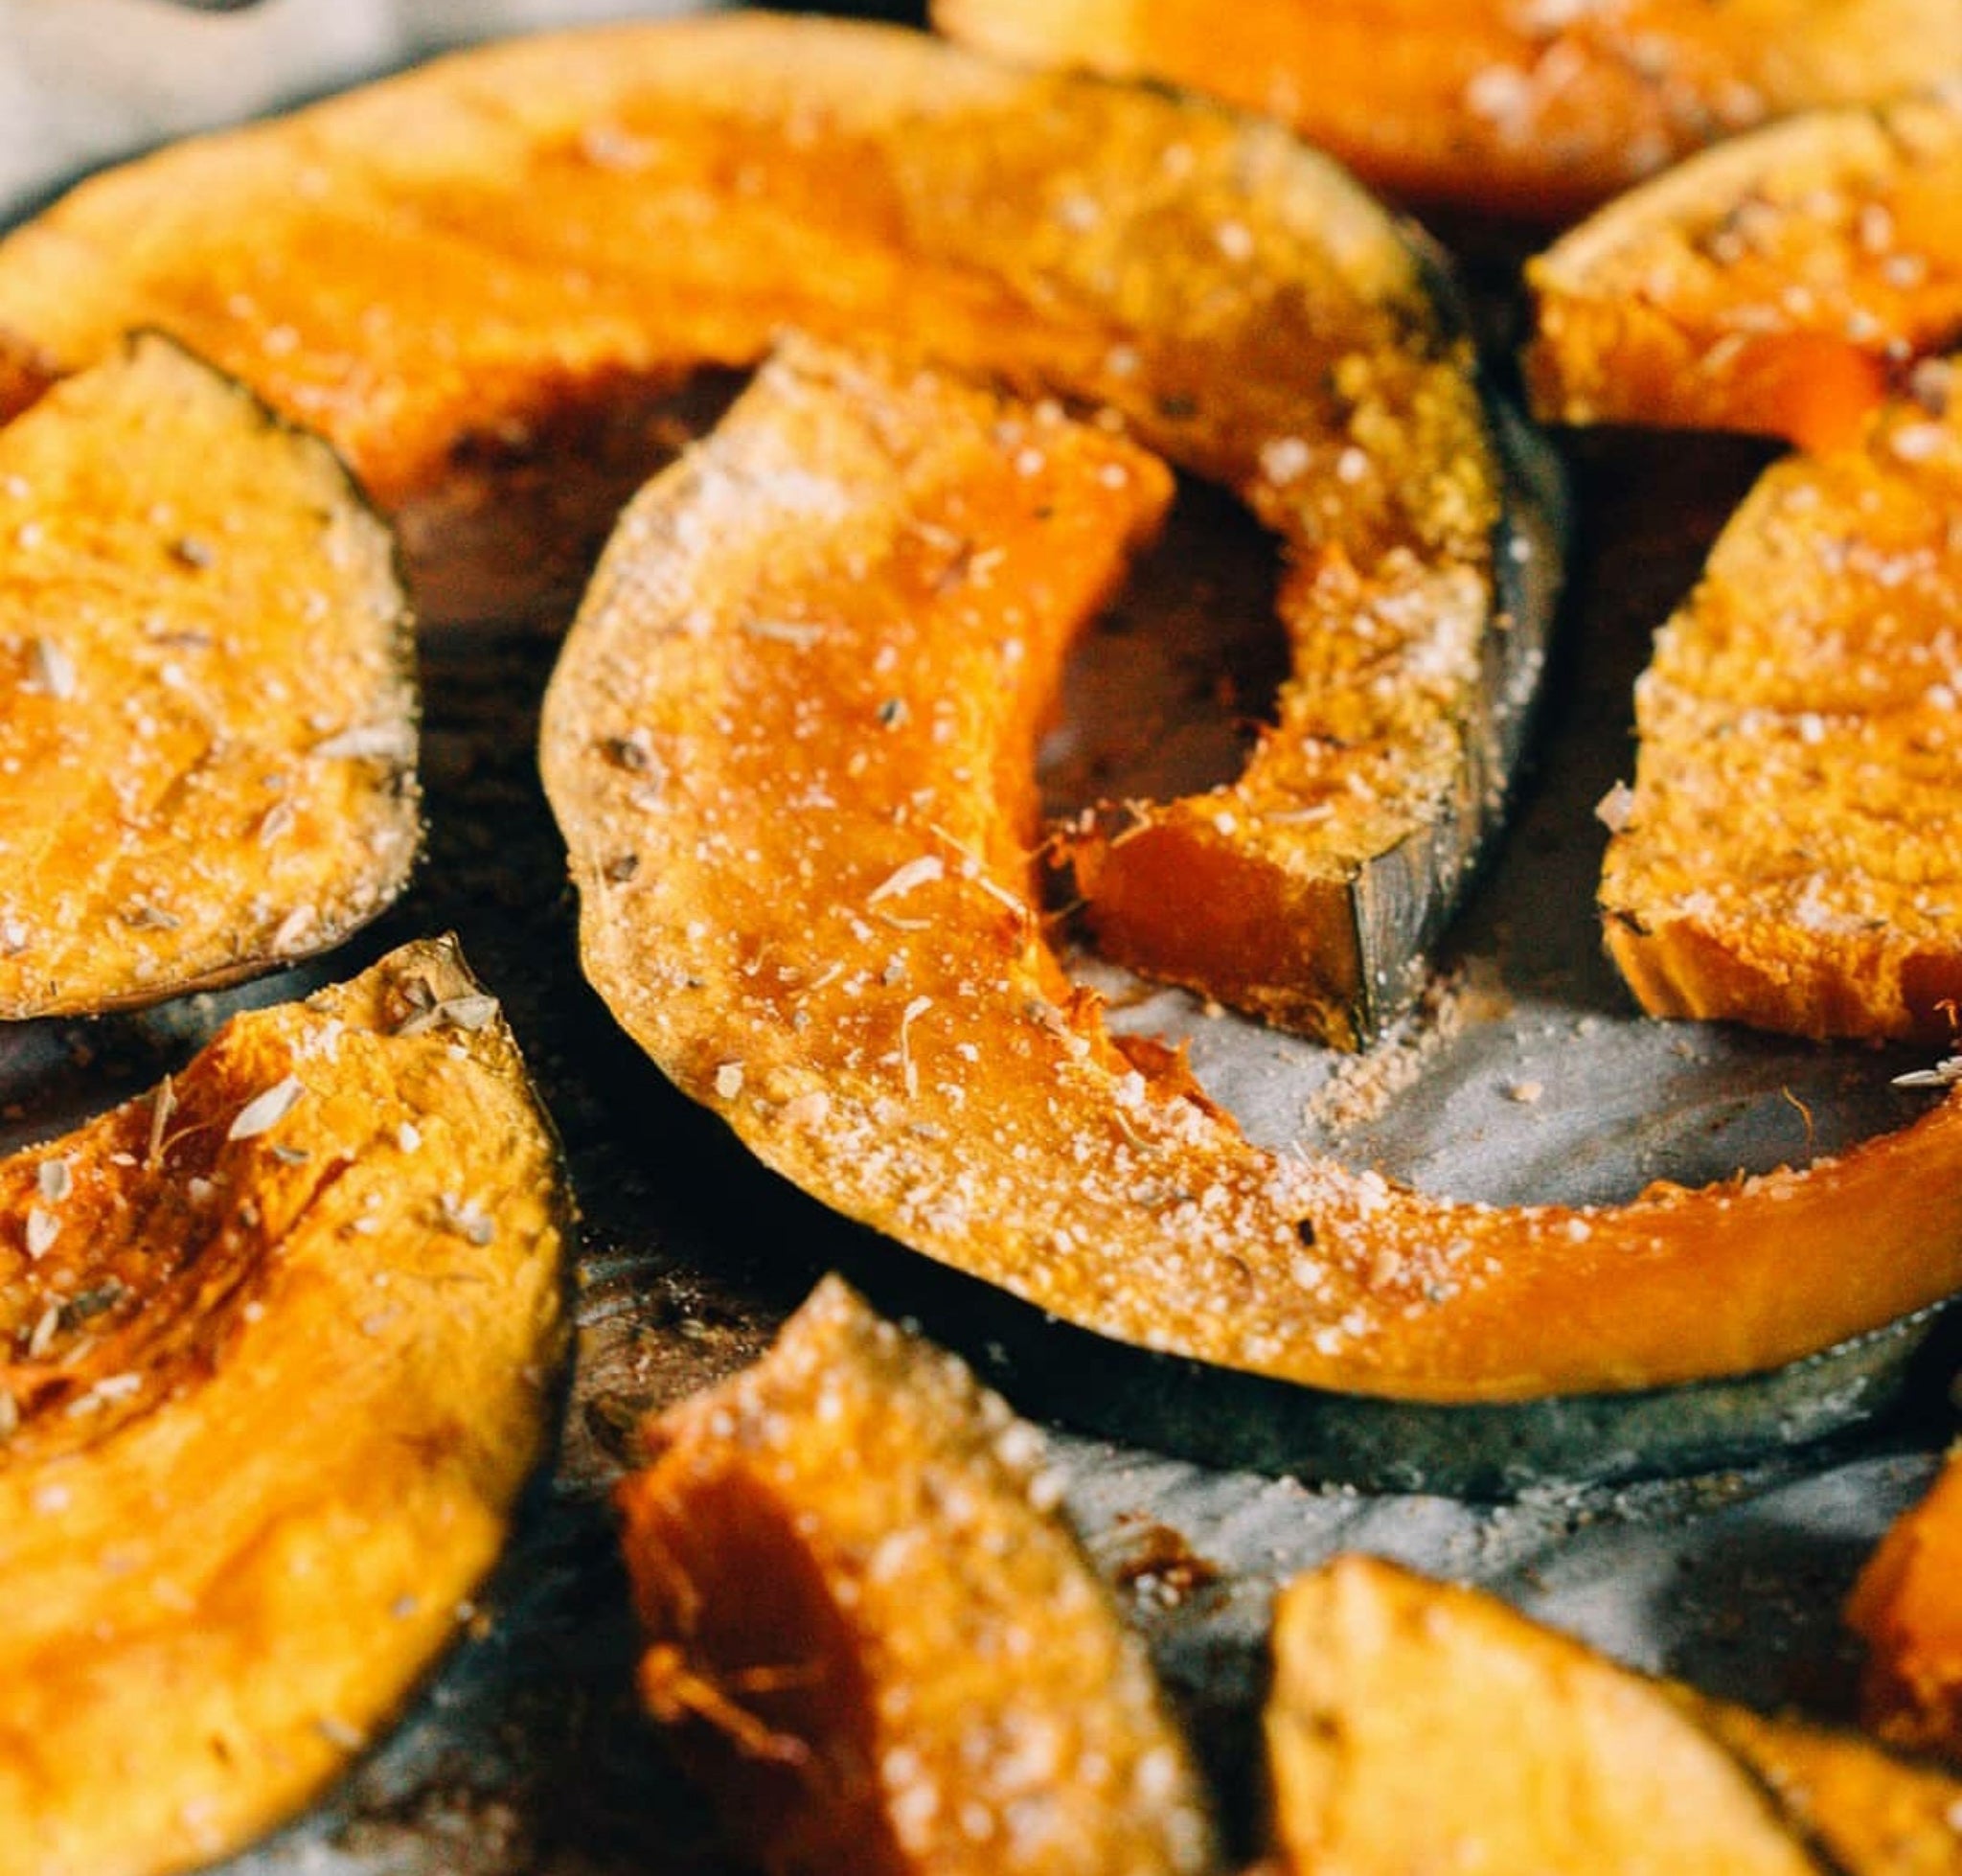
{"x": 280, "y": 1353}
{"x": 1788, "y": 855}
{"x": 1779, "y": 284}
{"x": 1539, "y": 112}
{"x": 516, "y": 232}
{"x": 783, "y": 741}
{"x": 208, "y": 706}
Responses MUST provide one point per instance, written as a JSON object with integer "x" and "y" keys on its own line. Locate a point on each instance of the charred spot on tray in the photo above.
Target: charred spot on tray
{"x": 1157, "y": 1563}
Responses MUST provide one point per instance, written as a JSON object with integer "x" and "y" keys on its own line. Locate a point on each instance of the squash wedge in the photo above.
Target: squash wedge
{"x": 208, "y": 705}
{"x": 1908, "y": 1609}
{"x": 278, "y": 1346}
{"x": 1791, "y": 855}
{"x": 788, "y": 740}
{"x": 1784, "y": 282}
{"x": 1871, "y": 1812}
{"x": 875, "y": 1638}
{"x": 443, "y": 264}
{"x": 1415, "y": 1725}
{"x": 1537, "y": 112}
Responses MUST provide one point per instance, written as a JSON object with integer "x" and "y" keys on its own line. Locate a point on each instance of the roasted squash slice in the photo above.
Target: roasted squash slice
{"x": 1786, "y": 857}
{"x": 876, "y": 1637}
{"x": 1908, "y": 1607}
{"x": 1871, "y": 1812}
{"x": 1539, "y": 112}
{"x": 208, "y": 737}
{"x": 1418, "y": 1726}
{"x": 278, "y": 1346}
{"x": 1781, "y": 283}
{"x": 1415, "y": 1725}
{"x": 1791, "y": 855}
{"x": 789, "y": 741}
{"x": 510, "y": 234}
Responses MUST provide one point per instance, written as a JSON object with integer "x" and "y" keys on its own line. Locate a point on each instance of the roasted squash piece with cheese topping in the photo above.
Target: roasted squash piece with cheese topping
{"x": 278, "y": 1346}
{"x": 1418, "y": 1726}
{"x": 1787, "y": 856}
{"x": 442, "y": 263}
{"x": 1781, "y": 283}
{"x": 207, "y": 692}
{"x": 1536, "y": 111}
{"x": 876, "y": 1637}
{"x": 1791, "y": 855}
{"x": 1415, "y": 1725}
{"x": 789, "y": 742}
{"x": 1908, "y": 1607}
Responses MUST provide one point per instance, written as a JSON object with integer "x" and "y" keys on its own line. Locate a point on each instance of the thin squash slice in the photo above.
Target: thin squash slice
{"x": 441, "y": 265}
{"x": 1791, "y": 855}
{"x": 789, "y": 742}
{"x": 1783, "y": 283}
{"x": 1908, "y": 1607}
{"x": 207, "y": 692}
{"x": 875, "y": 1638}
{"x": 1415, "y": 1725}
{"x": 278, "y": 1350}
{"x": 1534, "y": 111}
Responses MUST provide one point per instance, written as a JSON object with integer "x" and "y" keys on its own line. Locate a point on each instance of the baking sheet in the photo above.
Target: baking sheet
{"x": 1525, "y": 1074}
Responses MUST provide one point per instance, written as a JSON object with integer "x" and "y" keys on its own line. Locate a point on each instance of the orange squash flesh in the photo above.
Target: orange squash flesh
{"x": 1792, "y": 853}
{"x": 480, "y": 247}
{"x": 1416, "y": 1724}
{"x": 1419, "y": 1726}
{"x": 277, "y": 1354}
{"x": 776, "y": 743}
{"x": 1908, "y": 1607}
{"x": 875, "y": 1639}
{"x": 1539, "y": 112}
{"x": 1872, "y": 1812}
{"x": 1781, "y": 283}
{"x": 208, "y": 737}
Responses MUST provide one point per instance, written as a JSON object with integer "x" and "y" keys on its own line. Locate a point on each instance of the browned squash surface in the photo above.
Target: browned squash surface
{"x": 277, "y": 1348}
{"x": 207, "y": 695}
{"x": 1908, "y": 1607}
{"x": 878, "y": 1640}
{"x": 788, "y": 743}
{"x": 1871, "y": 1812}
{"x": 1791, "y": 855}
{"x": 435, "y": 265}
{"x": 1417, "y": 1726}
{"x": 1539, "y": 111}
{"x": 1780, "y": 283}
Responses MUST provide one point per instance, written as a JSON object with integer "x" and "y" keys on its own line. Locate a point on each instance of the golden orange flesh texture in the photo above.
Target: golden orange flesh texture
{"x": 1907, "y": 1609}
{"x": 1791, "y": 855}
{"x": 277, "y": 1346}
{"x": 437, "y": 263}
{"x": 1781, "y": 283}
{"x": 1415, "y": 1725}
{"x": 788, "y": 743}
{"x": 1533, "y": 112}
{"x": 1869, "y": 1811}
{"x": 207, "y": 694}
{"x": 882, "y": 1644}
